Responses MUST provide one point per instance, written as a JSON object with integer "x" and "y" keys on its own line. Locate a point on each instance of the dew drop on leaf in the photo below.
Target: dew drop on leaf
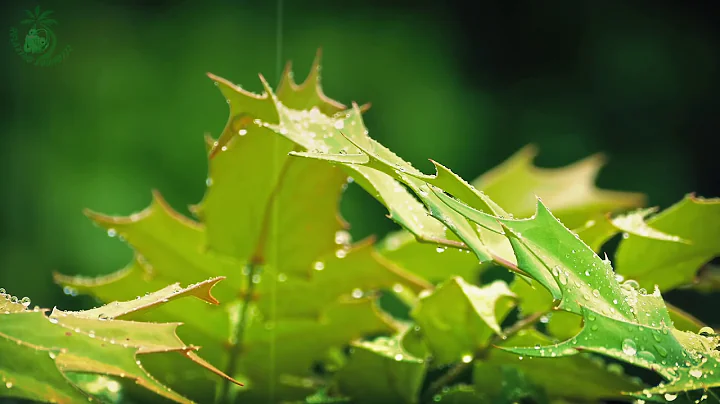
{"x": 648, "y": 356}
{"x": 8, "y": 385}
{"x": 319, "y": 266}
{"x": 112, "y": 232}
{"x": 467, "y": 358}
{"x": 629, "y": 347}
{"x": 661, "y": 350}
{"x": 670, "y": 396}
{"x": 706, "y": 332}
{"x": 357, "y": 293}
{"x": 696, "y": 373}
{"x": 398, "y": 357}
{"x": 596, "y": 293}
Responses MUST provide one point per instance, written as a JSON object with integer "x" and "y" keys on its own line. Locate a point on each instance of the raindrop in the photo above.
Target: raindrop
{"x": 112, "y": 232}
{"x": 629, "y": 347}
{"x": 625, "y": 235}
{"x": 440, "y": 249}
{"x": 648, "y": 356}
{"x": 696, "y": 373}
{"x": 8, "y": 385}
{"x": 661, "y": 350}
{"x": 670, "y": 396}
{"x": 256, "y": 278}
{"x": 319, "y": 266}
{"x": 52, "y": 355}
{"x": 467, "y": 358}
{"x": 53, "y": 320}
{"x": 342, "y": 237}
{"x": 242, "y": 132}
{"x": 587, "y": 273}
{"x": 563, "y": 279}
{"x": 339, "y": 124}
{"x": 25, "y": 301}
{"x": 282, "y": 277}
{"x": 357, "y": 293}
{"x": 596, "y": 293}
{"x": 537, "y": 346}
{"x": 706, "y": 332}
{"x": 341, "y": 253}
{"x": 398, "y": 357}
{"x": 397, "y": 288}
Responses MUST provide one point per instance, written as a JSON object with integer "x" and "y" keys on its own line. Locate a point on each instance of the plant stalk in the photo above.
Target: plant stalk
{"x": 457, "y": 370}
{"x": 239, "y": 332}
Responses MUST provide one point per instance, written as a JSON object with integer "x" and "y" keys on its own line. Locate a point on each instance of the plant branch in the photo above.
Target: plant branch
{"x": 458, "y": 369}
{"x": 238, "y": 334}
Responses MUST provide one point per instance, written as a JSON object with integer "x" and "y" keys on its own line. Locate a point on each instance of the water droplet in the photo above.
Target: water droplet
{"x": 556, "y": 270}
{"x": 342, "y": 237}
{"x": 648, "y": 356}
{"x": 25, "y": 301}
{"x": 339, "y": 124}
{"x": 242, "y": 132}
{"x": 357, "y": 293}
{"x": 537, "y": 346}
{"x": 706, "y": 332}
{"x": 319, "y": 266}
{"x": 282, "y": 277}
{"x": 341, "y": 253}
{"x": 440, "y": 249}
{"x": 52, "y": 355}
{"x": 467, "y": 358}
{"x": 587, "y": 273}
{"x": 256, "y": 278}
{"x": 112, "y": 232}
{"x": 53, "y": 320}
{"x": 8, "y": 385}
{"x": 629, "y": 347}
{"x": 596, "y": 293}
{"x": 670, "y": 396}
{"x": 661, "y": 350}
{"x": 563, "y": 279}
{"x": 696, "y": 373}
{"x": 398, "y": 288}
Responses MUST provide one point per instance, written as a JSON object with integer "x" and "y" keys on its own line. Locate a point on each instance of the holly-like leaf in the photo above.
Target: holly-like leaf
{"x": 39, "y": 350}
{"x": 269, "y": 223}
{"x": 569, "y": 191}
{"x": 458, "y": 319}
{"x": 619, "y": 320}
{"x": 587, "y": 379}
{"x": 382, "y": 370}
{"x": 672, "y": 263}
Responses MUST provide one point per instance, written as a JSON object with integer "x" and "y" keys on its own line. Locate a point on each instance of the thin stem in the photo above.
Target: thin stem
{"x": 458, "y": 369}
{"x": 239, "y": 333}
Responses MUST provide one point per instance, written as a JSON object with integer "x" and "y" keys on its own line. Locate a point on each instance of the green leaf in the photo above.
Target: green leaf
{"x": 577, "y": 378}
{"x": 270, "y": 224}
{"x": 429, "y": 261}
{"x": 620, "y": 321}
{"x": 670, "y": 264}
{"x": 41, "y": 349}
{"x": 458, "y": 319}
{"x": 570, "y": 191}
{"x": 382, "y": 371}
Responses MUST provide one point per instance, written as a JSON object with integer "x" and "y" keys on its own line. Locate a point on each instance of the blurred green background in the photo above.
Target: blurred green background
{"x": 126, "y": 111}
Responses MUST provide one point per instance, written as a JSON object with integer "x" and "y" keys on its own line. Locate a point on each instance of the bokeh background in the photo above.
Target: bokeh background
{"x": 464, "y": 83}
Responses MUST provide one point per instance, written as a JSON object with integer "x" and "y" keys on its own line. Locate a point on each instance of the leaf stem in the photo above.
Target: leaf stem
{"x": 460, "y": 368}
{"x": 238, "y": 333}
